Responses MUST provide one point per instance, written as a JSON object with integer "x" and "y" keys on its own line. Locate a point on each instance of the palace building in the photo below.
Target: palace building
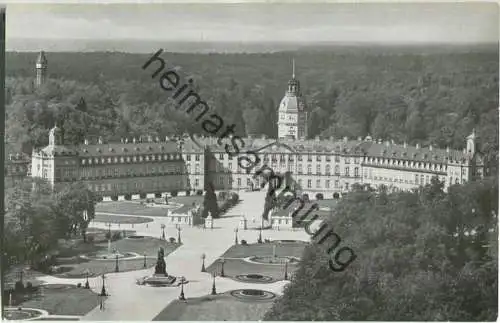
{"x": 147, "y": 166}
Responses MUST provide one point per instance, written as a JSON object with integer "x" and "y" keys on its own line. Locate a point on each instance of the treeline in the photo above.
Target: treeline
{"x": 35, "y": 219}
{"x": 424, "y": 255}
{"x": 434, "y": 98}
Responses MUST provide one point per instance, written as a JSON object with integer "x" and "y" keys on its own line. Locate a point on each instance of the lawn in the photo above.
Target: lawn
{"x": 75, "y": 267}
{"x": 63, "y": 300}
{"x": 123, "y": 219}
{"x": 221, "y": 307}
{"x": 187, "y": 202}
{"x": 234, "y": 267}
{"x": 266, "y": 249}
{"x": 129, "y": 208}
{"x": 135, "y": 208}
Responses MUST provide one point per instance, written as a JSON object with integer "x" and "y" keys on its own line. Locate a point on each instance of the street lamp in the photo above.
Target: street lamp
{"x": 214, "y": 291}
{"x": 87, "y": 285}
{"x": 236, "y": 236}
{"x": 163, "y": 231}
{"x": 260, "y": 236}
{"x": 222, "y": 261}
{"x": 286, "y": 269}
{"x": 116, "y": 264}
{"x": 103, "y": 290}
{"x": 178, "y": 233}
{"x": 181, "y": 296}
{"x": 203, "y": 269}
{"x": 144, "y": 260}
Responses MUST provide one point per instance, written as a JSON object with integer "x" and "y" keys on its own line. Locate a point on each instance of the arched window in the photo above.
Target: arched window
{"x": 327, "y": 169}
{"x": 337, "y": 170}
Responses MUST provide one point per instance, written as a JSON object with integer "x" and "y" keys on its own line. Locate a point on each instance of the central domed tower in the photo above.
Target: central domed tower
{"x": 292, "y": 114}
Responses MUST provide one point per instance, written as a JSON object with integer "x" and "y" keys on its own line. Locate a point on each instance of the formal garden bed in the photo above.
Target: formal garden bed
{"x": 70, "y": 300}
{"x": 222, "y": 307}
{"x": 122, "y": 219}
{"x": 267, "y": 268}
{"x": 78, "y": 266}
{"x": 56, "y": 299}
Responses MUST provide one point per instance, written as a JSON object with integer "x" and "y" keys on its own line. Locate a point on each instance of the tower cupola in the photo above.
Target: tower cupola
{"x": 41, "y": 69}
{"x": 56, "y": 136}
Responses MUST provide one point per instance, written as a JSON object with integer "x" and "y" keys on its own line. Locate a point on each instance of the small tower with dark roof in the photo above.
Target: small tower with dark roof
{"x": 41, "y": 69}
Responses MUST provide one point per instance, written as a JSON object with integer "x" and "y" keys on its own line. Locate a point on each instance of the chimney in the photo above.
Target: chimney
{"x": 417, "y": 146}
{"x": 85, "y": 141}
{"x": 100, "y": 140}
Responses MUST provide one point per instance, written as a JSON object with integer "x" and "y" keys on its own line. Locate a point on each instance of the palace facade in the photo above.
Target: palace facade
{"x": 146, "y": 166}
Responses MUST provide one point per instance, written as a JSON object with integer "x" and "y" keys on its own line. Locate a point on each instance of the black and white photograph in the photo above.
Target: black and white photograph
{"x": 272, "y": 161}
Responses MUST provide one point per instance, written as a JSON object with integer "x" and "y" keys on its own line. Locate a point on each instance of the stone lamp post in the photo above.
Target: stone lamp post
{"x": 203, "y": 269}
{"x": 222, "y": 261}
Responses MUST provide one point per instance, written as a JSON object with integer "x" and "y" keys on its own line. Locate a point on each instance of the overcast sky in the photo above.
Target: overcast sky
{"x": 431, "y": 22}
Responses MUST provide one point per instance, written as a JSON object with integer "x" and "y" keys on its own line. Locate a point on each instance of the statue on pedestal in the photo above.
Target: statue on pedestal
{"x": 161, "y": 266}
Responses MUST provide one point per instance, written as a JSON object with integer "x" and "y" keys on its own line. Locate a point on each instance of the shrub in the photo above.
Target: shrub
{"x": 90, "y": 238}
{"x": 173, "y": 193}
{"x": 18, "y": 286}
{"x": 305, "y": 197}
{"x": 128, "y": 197}
{"x": 157, "y": 195}
{"x": 143, "y": 195}
{"x": 114, "y": 198}
{"x": 99, "y": 199}
{"x": 199, "y": 192}
{"x": 319, "y": 196}
{"x": 116, "y": 236}
{"x": 79, "y": 285}
{"x": 243, "y": 242}
{"x": 29, "y": 286}
{"x": 172, "y": 239}
{"x": 336, "y": 196}
{"x": 188, "y": 192}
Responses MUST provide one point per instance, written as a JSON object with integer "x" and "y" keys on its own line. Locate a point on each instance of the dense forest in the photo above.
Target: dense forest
{"x": 425, "y": 255}
{"x": 422, "y": 97}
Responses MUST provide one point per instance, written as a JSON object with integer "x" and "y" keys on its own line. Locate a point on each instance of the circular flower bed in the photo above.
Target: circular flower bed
{"x": 58, "y": 286}
{"x": 21, "y": 314}
{"x": 135, "y": 237}
{"x": 254, "y": 278}
{"x": 107, "y": 256}
{"x": 274, "y": 260}
{"x": 252, "y": 294}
